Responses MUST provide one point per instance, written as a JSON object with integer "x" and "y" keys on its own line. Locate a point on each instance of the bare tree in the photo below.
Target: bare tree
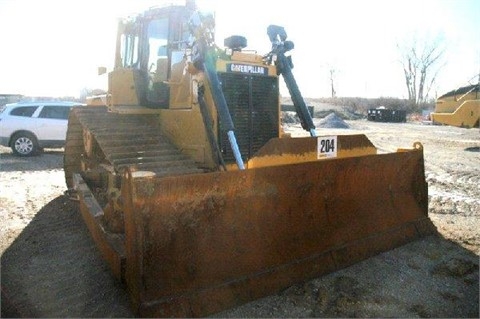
{"x": 421, "y": 65}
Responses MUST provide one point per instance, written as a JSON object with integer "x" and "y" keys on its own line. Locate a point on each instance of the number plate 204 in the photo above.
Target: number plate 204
{"x": 326, "y": 146}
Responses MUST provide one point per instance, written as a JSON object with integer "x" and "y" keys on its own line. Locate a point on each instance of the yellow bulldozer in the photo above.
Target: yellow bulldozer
{"x": 194, "y": 195}
{"x": 460, "y": 107}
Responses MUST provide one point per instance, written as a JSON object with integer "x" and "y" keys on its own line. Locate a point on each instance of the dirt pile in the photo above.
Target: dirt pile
{"x": 332, "y": 120}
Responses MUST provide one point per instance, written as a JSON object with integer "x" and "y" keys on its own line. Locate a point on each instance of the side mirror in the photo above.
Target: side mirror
{"x": 101, "y": 70}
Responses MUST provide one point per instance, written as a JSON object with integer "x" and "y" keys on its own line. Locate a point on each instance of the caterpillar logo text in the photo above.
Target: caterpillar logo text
{"x": 245, "y": 68}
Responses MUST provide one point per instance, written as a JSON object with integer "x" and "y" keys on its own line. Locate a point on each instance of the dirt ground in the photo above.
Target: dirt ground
{"x": 51, "y": 268}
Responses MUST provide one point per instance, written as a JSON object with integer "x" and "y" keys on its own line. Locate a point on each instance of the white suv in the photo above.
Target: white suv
{"x": 28, "y": 127}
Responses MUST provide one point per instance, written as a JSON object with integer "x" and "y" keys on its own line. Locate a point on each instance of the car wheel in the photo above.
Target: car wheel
{"x": 24, "y": 144}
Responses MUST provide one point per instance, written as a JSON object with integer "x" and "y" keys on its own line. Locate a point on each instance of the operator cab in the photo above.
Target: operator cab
{"x": 153, "y": 47}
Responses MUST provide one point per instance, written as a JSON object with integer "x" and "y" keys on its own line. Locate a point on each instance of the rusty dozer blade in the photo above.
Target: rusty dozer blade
{"x": 199, "y": 244}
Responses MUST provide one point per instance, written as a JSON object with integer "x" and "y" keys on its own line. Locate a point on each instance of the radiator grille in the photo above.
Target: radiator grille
{"x": 253, "y": 103}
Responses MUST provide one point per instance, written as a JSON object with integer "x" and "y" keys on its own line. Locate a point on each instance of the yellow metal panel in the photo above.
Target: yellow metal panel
{"x": 466, "y": 115}
{"x": 247, "y": 57}
{"x": 123, "y": 87}
{"x": 181, "y": 91}
{"x": 98, "y": 100}
{"x": 451, "y": 103}
{"x": 298, "y": 150}
{"x": 185, "y": 128}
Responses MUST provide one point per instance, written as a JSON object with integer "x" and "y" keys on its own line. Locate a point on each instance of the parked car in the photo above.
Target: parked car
{"x": 28, "y": 127}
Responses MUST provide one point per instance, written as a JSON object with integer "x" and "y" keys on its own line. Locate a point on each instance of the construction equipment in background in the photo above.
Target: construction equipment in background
{"x": 460, "y": 107}
{"x": 196, "y": 198}
{"x": 382, "y": 114}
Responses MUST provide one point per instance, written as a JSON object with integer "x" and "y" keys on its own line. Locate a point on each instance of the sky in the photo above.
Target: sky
{"x": 53, "y": 47}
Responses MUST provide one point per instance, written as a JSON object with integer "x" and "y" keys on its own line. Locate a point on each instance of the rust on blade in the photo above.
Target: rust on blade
{"x": 198, "y": 244}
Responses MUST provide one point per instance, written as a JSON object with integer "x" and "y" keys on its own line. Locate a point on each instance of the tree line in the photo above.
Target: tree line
{"x": 421, "y": 62}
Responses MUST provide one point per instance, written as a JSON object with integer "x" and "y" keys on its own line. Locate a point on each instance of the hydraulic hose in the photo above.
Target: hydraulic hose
{"x": 222, "y": 108}
{"x": 296, "y": 96}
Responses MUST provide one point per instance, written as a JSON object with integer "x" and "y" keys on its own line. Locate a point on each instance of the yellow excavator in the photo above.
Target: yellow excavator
{"x": 194, "y": 195}
{"x": 460, "y": 107}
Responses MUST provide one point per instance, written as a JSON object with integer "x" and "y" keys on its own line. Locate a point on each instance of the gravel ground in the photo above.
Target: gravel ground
{"x": 50, "y": 267}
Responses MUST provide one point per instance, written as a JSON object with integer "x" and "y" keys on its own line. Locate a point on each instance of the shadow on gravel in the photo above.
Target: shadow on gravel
{"x": 46, "y": 161}
{"x": 473, "y": 149}
{"x": 428, "y": 278}
{"x": 54, "y": 270}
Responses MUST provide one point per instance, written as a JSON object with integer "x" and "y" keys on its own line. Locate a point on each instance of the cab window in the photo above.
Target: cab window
{"x": 129, "y": 46}
{"x": 158, "y": 65}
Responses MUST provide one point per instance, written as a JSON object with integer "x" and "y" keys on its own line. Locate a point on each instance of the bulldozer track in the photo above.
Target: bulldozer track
{"x": 125, "y": 141}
